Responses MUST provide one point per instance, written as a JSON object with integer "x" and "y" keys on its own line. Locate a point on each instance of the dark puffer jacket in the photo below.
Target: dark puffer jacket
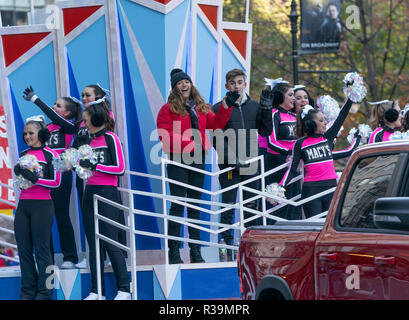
{"x": 240, "y": 132}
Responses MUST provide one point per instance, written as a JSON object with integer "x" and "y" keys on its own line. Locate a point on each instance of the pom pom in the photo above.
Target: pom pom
{"x": 31, "y": 163}
{"x": 85, "y": 152}
{"x": 329, "y": 107}
{"x": 275, "y": 190}
{"x": 399, "y": 135}
{"x": 354, "y": 87}
{"x": 365, "y": 132}
{"x": 67, "y": 160}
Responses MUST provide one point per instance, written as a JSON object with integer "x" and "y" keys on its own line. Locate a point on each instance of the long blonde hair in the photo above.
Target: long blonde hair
{"x": 377, "y": 117}
{"x": 178, "y": 105}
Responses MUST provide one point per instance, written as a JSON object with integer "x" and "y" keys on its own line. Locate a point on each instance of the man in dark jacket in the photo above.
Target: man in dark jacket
{"x": 238, "y": 142}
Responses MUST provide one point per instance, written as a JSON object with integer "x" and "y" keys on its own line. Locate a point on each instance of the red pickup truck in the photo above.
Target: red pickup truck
{"x": 360, "y": 251}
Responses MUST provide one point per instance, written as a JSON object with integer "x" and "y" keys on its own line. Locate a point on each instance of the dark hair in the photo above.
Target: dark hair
{"x": 234, "y": 73}
{"x": 74, "y": 108}
{"x": 99, "y": 114}
{"x": 311, "y": 101}
{"x": 99, "y": 93}
{"x": 306, "y": 126}
{"x": 279, "y": 91}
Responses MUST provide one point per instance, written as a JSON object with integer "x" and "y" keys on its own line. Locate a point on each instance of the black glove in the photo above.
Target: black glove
{"x": 85, "y": 163}
{"x": 29, "y": 175}
{"x": 231, "y": 98}
{"x": 266, "y": 99}
{"x": 17, "y": 169}
{"x": 28, "y": 93}
{"x": 80, "y": 141}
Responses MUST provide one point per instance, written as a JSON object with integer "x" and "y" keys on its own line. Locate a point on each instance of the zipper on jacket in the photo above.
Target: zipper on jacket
{"x": 242, "y": 118}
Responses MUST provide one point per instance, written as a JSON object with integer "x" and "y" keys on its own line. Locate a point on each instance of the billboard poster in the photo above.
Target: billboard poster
{"x": 320, "y": 26}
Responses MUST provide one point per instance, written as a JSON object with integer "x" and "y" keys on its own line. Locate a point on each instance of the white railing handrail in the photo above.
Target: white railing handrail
{"x": 195, "y": 204}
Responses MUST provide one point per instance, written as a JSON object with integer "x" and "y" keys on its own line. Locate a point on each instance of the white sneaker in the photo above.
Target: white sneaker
{"x": 93, "y": 296}
{"x": 67, "y": 265}
{"x": 123, "y": 296}
{"x": 82, "y": 264}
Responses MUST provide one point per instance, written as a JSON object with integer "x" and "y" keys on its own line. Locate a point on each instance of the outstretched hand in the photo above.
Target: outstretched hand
{"x": 28, "y": 93}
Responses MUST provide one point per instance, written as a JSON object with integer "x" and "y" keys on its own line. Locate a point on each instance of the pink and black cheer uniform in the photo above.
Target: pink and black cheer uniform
{"x": 381, "y": 134}
{"x": 104, "y": 182}
{"x": 62, "y": 133}
{"x": 174, "y": 144}
{"x": 316, "y": 151}
{"x": 279, "y": 147}
{"x": 32, "y": 227}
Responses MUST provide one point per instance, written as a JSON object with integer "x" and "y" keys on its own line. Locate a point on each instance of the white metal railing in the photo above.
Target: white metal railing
{"x": 195, "y": 204}
{"x": 5, "y": 243}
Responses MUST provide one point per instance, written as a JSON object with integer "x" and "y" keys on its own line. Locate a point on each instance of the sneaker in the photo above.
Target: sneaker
{"x": 82, "y": 264}
{"x": 94, "y": 296}
{"x": 67, "y": 265}
{"x": 123, "y": 296}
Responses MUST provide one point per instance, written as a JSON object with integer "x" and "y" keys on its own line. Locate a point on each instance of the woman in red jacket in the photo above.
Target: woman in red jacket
{"x": 182, "y": 124}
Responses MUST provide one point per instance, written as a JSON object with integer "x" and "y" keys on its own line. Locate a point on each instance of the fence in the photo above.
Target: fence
{"x": 5, "y": 243}
{"x": 195, "y": 204}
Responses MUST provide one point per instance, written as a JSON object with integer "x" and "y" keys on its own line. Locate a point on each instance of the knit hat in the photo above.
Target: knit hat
{"x": 176, "y": 75}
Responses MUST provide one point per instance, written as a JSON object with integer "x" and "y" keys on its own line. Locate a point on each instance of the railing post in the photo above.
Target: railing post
{"x": 165, "y": 220}
{"x": 241, "y": 209}
{"x": 98, "y": 263}
{"x": 263, "y": 188}
{"x": 131, "y": 221}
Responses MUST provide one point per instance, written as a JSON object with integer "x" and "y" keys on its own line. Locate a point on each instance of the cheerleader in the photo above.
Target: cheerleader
{"x": 315, "y": 149}
{"x": 35, "y": 213}
{"x": 90, "y": 94}
{"x": 104, "y": 182}
{"x": 281, "y": 140}
{"x": 386, "y": 118}
{"x": 62, "y": 129}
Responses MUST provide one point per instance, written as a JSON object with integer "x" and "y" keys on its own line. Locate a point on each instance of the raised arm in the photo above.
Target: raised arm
{"x": 332, "y": 132}
{"x": 65, "y": 124}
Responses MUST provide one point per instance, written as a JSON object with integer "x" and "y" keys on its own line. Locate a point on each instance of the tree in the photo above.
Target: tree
{"x": 377, "y": 47}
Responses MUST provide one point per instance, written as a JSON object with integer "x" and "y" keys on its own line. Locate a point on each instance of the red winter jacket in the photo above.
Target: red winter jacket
{"x": 175, "y": 130}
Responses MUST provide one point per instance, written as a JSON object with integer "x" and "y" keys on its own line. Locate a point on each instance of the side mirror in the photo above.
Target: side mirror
{"x": 392, "y": 213}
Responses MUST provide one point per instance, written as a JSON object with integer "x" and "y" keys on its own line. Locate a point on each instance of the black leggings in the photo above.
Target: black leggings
{"x": 121, "y": 233}
{"x": 115, "y": 254}
{"x": 61, "y": 199}
{"x": 32, "y": 228}
{"x": 315, "y": 206}
{"x": 192, "y": 178}
{"x": 228, "y": 179}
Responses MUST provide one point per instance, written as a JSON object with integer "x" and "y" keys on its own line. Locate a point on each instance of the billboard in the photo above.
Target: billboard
{"x": 320, "y": 26}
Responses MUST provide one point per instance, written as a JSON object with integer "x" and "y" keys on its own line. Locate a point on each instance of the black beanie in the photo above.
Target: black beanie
{"x": 176, "y": 75}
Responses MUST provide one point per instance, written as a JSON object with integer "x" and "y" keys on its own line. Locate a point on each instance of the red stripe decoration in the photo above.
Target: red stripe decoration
{"x": 211, "y": 13}
{"x": 163, "y": 1}
{"x": 73, "y": 17}
{"x": 239, "y": 39}
{"x": 15, "y": 45}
